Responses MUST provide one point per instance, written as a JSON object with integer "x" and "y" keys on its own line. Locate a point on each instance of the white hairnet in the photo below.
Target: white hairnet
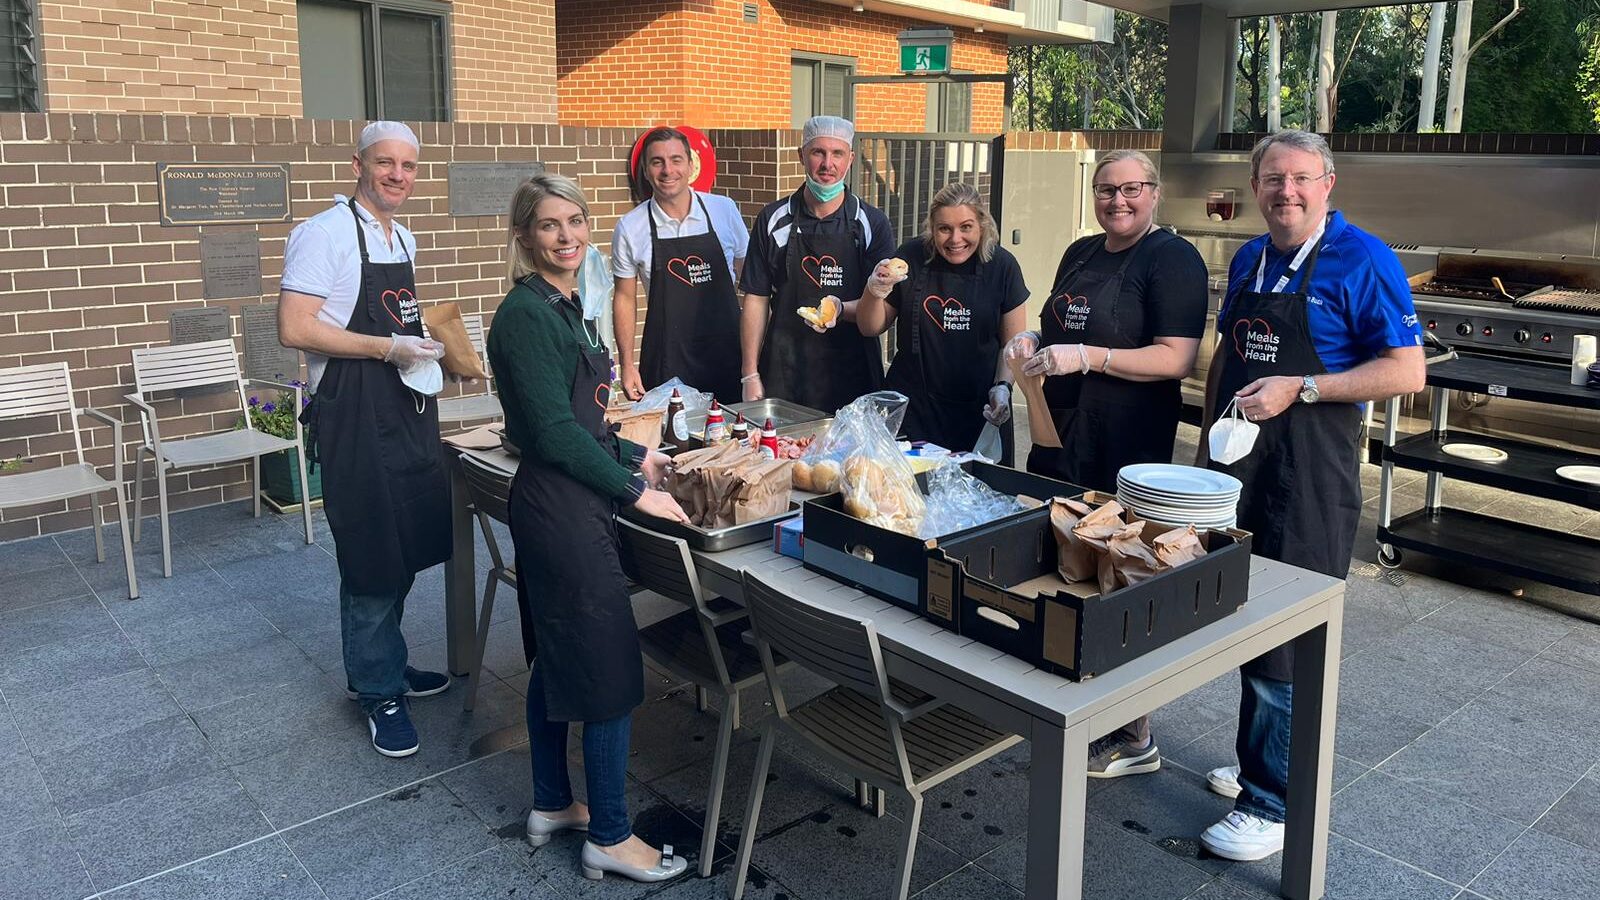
{"x": 828, "y": 127}
{"x": 386, "y": 131}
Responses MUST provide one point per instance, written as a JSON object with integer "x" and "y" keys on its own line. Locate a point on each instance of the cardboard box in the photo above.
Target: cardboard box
{"x": 789, "y": 539}
{"x": 1004, "y": 591}
{"x": 894, "y": 566}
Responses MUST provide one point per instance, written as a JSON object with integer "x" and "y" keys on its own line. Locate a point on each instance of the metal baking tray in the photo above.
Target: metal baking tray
{"x": 818, "y": 427}
{"x": 717, "y": 539}
{"x": 782, "y": 412}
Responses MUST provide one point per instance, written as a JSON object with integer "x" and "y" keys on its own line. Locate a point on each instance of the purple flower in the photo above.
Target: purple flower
{"x": 255, "y": 401}
{"x": 269, "y": 407}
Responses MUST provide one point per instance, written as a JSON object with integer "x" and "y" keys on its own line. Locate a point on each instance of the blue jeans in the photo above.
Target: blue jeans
{"x": 605, "y": 765}
{"x": 374, "y": 648}
{"x": 1263, "y": 746}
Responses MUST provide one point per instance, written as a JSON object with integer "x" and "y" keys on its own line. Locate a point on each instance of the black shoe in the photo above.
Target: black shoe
{"x": 392, "y": 731}
{"x": 1112, "y": 757}
{"x": 418, "y": 684}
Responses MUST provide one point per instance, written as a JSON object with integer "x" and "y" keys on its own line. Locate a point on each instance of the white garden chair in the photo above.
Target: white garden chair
{"x": 470, "y": 407}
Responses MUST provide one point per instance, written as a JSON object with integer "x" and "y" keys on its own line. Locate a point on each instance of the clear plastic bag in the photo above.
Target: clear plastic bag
{"x": 875, "y": 478}
{"x": 694, "y": 402}
{"x": 957, "y": 500}
{"x": 822, "y": 465}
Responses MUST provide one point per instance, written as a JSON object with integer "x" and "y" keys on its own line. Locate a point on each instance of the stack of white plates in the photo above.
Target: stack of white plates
{"x": 1179, "y": 495}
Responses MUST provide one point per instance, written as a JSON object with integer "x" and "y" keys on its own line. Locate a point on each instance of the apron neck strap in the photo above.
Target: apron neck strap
{"x": 1306, "y": 251}
{"x": 361, "y": 236}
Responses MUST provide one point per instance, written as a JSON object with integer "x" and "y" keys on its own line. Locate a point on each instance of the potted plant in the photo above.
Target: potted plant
{"x": 280, "y": 472}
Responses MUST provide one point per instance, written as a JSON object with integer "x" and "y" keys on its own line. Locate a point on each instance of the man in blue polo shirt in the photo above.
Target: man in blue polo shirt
{"x": 1318, "y": 319}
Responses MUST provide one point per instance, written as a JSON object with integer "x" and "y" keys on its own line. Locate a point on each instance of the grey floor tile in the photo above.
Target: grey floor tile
{"x": 1426, "y": 830}
{"x": 1568, "y": 739}
{"x": 978, "y": 810}
{"x": 19, "y": 557}
{"x": 1210, "y": 750}
{"x": 675, "y": 733}
{"x": 224, "y": 627}
{"x": 1471, "y": 664}
{"x": 1550, "y": 514}
{"x": 496, "y": 872}
{"x": 1580, "y": 649}
{"x": 164, "y": 828}
{"x": 70, "y": 661}
{"x": 25, "y": 801}
{"x": 388, "y": 841}
{"x": 1117, "y": 865}
{"x": 322, "y": 644}
{"x": 80, "y": 618}
{"x": 451, "y": 736}
{"x": 498, "y": 789}
{"x": 1575, "y": 815}
{"x": 1459, "y": 764}
{"x": 53, "y": 722}
{"x": 1354, "y": 873}
{"x": 1187, "y": 719}
{"x": 844, "y": 845}
{"x": 45, "y": 585}
{"x": 294, "y": 608}
{"x": 1418, "y": 596}
{"x": 1563, "y": 687}
{"x": 263, "y": 870}
{"x": 320, "y": 775}
{"x": 110, "y": 578}
{"x": 40, "y": 864}
{"x": 163, "y": 601}
{"x": 1221, "y": 889}
{"x": 1541, "y": 867}
{"x": 1505, "y": 621}
{"x": 969, "y": 882}
{"x": 758, "y": 886}
{"x": 98, "y": 773}
{"x": 1167, "y": 809}
{"x": 206, "y": 680}
{"x": 281, "y": 717}
{"x": 1395, "y": 694}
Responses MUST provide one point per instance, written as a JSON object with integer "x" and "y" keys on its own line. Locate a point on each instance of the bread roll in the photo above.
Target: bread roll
{"x": 825, "y": 476}
{"x": 802, "y": 475}
{"x": 826, "y": 310}
{"x": 897, "y": 267}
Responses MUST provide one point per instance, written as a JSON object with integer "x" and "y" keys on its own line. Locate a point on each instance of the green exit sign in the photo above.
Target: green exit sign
{"x": 925, "y": 51}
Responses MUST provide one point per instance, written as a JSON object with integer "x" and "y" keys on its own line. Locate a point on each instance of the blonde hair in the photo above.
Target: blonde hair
{"x": 1115, "y": 156}
{"x": 524, "y": 202}
{"x": 959, "y": 193}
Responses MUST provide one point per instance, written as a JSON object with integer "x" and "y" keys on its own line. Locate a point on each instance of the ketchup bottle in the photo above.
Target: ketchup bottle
{"x": 716, "y": 429}
{"x": 769, "y": 441}
{"x": 741, "y": 431}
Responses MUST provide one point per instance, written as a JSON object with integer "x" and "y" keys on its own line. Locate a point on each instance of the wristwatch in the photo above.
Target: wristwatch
{"x": 1308, "y": 390}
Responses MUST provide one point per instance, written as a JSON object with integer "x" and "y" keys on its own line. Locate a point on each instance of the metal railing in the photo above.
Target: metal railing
{"x": 900, "y": 173}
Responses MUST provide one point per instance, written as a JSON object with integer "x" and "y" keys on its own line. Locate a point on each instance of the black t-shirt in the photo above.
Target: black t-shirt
{"x": 766, "y": 265}
{"x": 1000, "y": 291}
{"x": 1166, "y": 280}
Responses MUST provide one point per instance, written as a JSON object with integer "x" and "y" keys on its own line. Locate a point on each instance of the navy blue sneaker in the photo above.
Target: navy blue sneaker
{"x": 418, "y": 684}
{"x": 392, "y": 731}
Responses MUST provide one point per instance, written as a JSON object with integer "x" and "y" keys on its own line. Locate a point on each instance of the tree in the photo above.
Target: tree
{"x": 1120, "y": 84}
{"x": 1526, "y": 78}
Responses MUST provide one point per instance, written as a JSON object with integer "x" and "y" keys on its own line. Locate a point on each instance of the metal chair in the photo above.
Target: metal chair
{"x": 46, "y": 390}
{"x": 488, "y": 496}
{"x": 703, "y": 645}
{"x": 883, "y": 733}
{"x": 468, "y": 407}
{"x": 171, "y": 368}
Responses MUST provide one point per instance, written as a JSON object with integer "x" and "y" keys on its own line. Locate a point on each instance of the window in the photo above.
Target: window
{"x": 817, "y": 88}
{"x": 374, "y": 59}
{"x": 19, "y": 60}
{"x": 950, "y": 107}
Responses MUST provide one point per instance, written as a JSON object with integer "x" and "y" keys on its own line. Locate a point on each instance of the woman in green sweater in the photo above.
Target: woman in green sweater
{"x": 553, "y": 374}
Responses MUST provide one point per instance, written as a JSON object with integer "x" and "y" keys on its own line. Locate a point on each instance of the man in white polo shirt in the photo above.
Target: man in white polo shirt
{"x": 683, "y": 250}
{"x": 348, "y": 298}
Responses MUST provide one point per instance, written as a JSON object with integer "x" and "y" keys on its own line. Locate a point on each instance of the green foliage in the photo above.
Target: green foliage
{"x": 275, "y": 416}
{"x": 1116, "y": 85}
{"x": 1526, "y": 78}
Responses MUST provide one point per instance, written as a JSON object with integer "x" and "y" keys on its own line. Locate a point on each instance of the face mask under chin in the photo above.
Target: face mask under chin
{"x": 825, "y": 192}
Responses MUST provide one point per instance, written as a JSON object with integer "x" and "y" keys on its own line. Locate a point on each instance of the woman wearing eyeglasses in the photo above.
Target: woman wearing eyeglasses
{"x": 1118, "y": 332}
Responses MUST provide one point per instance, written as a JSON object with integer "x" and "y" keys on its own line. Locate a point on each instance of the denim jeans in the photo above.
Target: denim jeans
{"x": 605, "y": 765}
{"x": 374, "y": 648}
{"x": 1263, "y": 746}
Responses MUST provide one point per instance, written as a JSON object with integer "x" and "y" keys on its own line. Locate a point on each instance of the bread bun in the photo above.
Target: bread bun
{"x": 865, "y": 474}
{"x": 860, "y": 505}
{"x": 802, "y": 475}
{"x": 826, "y": 310}
{"x": 825, "y": 476}
{"x": 897, "y": 267}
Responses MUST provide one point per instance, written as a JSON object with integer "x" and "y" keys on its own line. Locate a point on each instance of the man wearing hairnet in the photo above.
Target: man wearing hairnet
{"x": 348, "y": 298}
{"x": 820, "y": 242}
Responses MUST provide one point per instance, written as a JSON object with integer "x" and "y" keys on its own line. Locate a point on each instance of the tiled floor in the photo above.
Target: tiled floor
{"x": 196, "y": 743}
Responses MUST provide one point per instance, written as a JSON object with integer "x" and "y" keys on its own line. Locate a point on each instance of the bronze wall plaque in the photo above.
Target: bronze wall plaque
{"x": 202, "y": 194}
{"x": 264, "y": 356}
{"x": 230, "y": 264}
{"x": 484, "y": 189}
{"x": 208, "y": 323}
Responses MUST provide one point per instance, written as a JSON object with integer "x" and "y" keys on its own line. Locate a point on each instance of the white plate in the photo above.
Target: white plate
{"x": 1206, "y": 509}
{"x": 1475, "y": 452}
{"x": 1581, "y": 474}
{"x": 1179, "y": 479}
{"x": 1175, "y": 499}
{"x": 1174, "y": 515}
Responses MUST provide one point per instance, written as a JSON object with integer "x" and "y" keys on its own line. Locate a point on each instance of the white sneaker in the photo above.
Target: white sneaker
{"x": 1243, "y": 837}
{"x": 1224, "y": 781}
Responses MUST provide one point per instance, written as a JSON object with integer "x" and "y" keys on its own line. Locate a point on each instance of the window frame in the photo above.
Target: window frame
{"x": 820, "y": 63}
{"x": 938, "y": 104}
{"x": 33, "y": 99}
{"x": 372, "y": 47}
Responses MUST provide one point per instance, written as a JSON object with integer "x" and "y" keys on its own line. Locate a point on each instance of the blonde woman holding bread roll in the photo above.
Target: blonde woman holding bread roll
{"x": 959, "y": 298}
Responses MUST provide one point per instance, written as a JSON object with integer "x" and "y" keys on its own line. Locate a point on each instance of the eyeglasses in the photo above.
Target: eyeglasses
{"x": 1301, "y": 182}
{"x": 1129, "y": 189}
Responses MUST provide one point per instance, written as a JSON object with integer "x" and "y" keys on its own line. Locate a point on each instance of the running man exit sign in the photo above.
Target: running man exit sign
{"x": 925, "y": 51}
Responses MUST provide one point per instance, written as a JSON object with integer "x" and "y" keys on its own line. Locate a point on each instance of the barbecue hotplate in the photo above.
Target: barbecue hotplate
{"x": 1484, "y": 290}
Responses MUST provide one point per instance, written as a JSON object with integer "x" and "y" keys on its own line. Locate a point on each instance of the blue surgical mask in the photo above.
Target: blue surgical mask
{"x": 825, "y": 192}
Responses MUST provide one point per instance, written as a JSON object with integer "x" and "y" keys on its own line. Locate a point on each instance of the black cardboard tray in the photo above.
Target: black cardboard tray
{"x": 714, "y": 540}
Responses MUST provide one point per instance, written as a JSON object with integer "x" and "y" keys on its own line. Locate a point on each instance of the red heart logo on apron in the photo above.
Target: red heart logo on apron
{"x": 807, "y": 264}
{"x": 943, "y": 304}
{"x": 401, "y": 299}
{"x": 1240, "y": 339}
{"x": 1059, "y": 305}
{"x": 684, "y": 264}
{"x": 602, "y": 395}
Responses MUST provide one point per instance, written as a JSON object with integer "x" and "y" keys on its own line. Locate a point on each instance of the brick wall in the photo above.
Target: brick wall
{"x": 702, "y": 64}
{"x": 242, "y": 58}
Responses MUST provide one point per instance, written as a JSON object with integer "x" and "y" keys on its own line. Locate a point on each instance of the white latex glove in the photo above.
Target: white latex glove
{"x": 1022, "y": 345}
{"x": 1056, "y": 359}
{"x": 881, "y": 281}
{"x": 998, "y": 409}
{"x": 407, "y": 351}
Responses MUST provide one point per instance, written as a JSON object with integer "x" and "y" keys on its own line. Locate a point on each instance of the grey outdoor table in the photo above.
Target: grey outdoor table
{"x": 1058, "y": 716}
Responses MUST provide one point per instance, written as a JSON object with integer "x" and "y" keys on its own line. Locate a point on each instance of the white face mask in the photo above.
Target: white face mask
{"x": 426, "y": 378}
{"x": 1232, "y": 437}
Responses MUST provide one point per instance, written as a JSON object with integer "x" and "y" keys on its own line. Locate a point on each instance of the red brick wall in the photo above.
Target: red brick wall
{"x": 700, "y": 63}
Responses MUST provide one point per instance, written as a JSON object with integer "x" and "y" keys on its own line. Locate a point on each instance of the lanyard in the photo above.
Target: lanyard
{"x": 1294, "y": 265}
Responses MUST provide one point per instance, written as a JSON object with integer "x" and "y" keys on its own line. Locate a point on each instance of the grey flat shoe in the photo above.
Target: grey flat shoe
{"x": 541, "y": 826}
{"x": 596, "y": 863}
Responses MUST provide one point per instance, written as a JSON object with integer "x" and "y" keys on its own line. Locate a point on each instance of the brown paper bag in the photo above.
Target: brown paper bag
{"x": 762, "y": 490}
{"x": 642, "y": 428}
{"x": 1075, "y": 560}
{"x": 1178, "y": 546}
{"x": 445, "y": 326}
{"x": 686, "y": 480}
{"x": 1040, "y": 426}
{"x": 1132, "y": 560}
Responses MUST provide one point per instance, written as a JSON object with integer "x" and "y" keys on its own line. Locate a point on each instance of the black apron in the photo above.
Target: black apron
{"x": 822, "y": 371}
{"x": 1302, "y": 481}
{"x": 384, "y": 485}
{"x": 946, "y": 358}
{"x": 1104, "y": 422}
{"x": 577, "y": 619}
{"x": 691, "y": 324}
